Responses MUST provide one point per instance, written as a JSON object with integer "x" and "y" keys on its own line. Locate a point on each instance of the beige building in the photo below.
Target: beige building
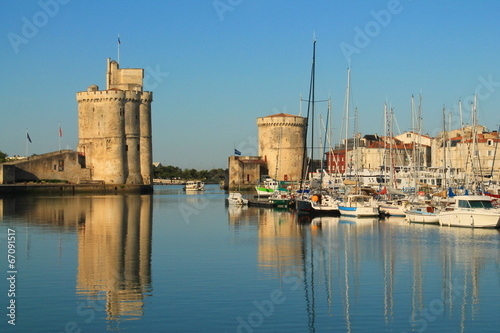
{"x": 115, "y": 139}
{"x": 114, "y": 127}
{"x": 470, "y": 150}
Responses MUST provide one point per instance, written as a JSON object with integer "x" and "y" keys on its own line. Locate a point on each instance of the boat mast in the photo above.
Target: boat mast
{"x": 310, "y": 105}
{"x": 444, "y": 147}
{"x": 355, "y": 150}
{"x": 347, "y": 117}
{"x": 419, "y": 120}
{"x": 391, "y": 151}
{"x": 413, "y": 129}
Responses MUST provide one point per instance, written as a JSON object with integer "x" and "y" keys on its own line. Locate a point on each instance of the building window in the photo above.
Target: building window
{"x": 491, "y": 153}
{"x": 138, "y": 147}
{"x": 408, "y": 135}
{"x": 489, "y": 142}
{"x": 126, "y": 147}
{"x": 61, "y": 165}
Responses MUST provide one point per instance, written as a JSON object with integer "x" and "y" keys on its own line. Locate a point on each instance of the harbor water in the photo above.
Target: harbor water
{"x": 186, "y": 262}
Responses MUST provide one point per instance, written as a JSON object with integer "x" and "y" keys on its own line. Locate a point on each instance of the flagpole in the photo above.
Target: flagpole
{"x": 26, "y": 138}
{"x": 119, "y": 49}
{"x": 59, "y": 135}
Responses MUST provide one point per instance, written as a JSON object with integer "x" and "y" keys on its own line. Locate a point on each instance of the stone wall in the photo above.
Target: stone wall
{"x": 281, "y": 145}
{"x": 7, "y": 174}
{"x": 60, "y": 165}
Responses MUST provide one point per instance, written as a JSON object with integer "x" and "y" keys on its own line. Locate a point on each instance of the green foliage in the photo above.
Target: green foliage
{"x": 171, "y": 172}
{"x": 3, "y": 157}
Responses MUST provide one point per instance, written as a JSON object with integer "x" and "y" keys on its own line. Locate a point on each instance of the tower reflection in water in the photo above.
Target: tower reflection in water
{"x": 114, "y": 245}
{"x": 114, "y": 253}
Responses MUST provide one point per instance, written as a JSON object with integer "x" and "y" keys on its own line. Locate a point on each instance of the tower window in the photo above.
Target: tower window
{"x": 138, "y": 147}
{"x": 126, "y": 147}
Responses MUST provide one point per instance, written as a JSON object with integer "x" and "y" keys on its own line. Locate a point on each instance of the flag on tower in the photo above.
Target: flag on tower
{"x": 119, "y": 40}
{"x": 28, "y": 137}
{"x": 60, "y": 131}
{"x": 237, "y": 152}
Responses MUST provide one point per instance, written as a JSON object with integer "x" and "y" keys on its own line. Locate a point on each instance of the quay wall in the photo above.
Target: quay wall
{"x": 64, "y": 165}
{"x": 70, "y": 189}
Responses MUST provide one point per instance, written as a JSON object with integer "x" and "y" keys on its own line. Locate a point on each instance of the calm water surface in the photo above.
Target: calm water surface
{"x": 177, "y": 262}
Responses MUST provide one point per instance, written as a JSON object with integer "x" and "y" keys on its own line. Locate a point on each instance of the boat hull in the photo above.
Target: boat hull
{"x": 470, "y": 219}
{"x": 359, "y": 211}
{"x": 422, "y": 217}
{"x": 263, "y": 192}
{"x": 303, "y": 205}
{"x": 392, "y": 210}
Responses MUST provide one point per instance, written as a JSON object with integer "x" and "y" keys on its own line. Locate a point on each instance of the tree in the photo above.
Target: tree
{"x": 3, "y": 157}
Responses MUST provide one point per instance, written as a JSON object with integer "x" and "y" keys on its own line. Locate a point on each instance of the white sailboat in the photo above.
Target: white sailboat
{"x": 422, "y": 214}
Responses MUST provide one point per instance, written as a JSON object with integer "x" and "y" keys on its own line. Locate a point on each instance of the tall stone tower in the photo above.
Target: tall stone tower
{"x": 114, "y": 128}
{"x": 281, "y": 145}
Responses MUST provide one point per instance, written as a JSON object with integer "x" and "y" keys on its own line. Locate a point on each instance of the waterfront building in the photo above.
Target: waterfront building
{"x": 115, "y": 138}
{"x": 114, "y": 128}
{"x": 281, "y": 145}
{"x": 281, "y": 142}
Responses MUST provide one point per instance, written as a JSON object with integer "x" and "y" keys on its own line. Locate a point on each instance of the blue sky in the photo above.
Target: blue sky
{"x": 216, "y": 66}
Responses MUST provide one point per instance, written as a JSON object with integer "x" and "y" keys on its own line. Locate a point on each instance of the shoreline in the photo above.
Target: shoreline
{"x": 30, "y": 188}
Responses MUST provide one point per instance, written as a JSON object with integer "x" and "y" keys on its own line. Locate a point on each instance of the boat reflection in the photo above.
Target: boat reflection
{"x": 114, "y": 245}
{"x": 341, "y": 262}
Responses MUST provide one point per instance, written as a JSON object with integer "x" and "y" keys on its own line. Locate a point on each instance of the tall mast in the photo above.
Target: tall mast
{"x": 419, "y": 119}
{"x": 391, "y": 150}
{"x": 444, "y": 146}
{"x": 310, "y": 105}
{"x": 347, "y": 94}
{"x": 413, "y": 129}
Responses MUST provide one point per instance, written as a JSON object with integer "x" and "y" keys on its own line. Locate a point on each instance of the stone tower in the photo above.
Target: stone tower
{"x": 281, "y": 145}
{"x": 114, "y": 128}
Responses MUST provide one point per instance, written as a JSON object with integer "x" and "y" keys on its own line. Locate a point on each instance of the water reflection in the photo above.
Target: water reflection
{"x": 114, "y": 245}
{"x": 114, "y": 254}
{"x": 429, "y": 274}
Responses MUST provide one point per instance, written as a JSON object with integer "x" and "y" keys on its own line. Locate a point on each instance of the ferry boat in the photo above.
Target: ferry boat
{"x": 194, "y": 186}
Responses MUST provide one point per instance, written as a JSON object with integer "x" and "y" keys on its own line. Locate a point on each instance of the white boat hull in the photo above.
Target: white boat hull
{"x": 422, "y": 217}
{"x": 391, "y": 210}
{"x": 359, "y": 211}
{"x": 470, "y": 219}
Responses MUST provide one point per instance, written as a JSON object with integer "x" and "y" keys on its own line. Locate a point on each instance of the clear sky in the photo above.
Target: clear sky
{"x": 216, "y": 66}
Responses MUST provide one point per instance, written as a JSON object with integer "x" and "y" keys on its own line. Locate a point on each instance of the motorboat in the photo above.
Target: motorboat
{"x": 472, "y": 211}
{"x": 236, "y": 199}
{"x": 359, "y": 205}
{"x": 194, "y": 186}
{"x": 422, "y": 214}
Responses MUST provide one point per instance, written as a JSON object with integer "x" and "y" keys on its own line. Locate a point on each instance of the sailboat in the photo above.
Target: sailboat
{"x": 313, "y": 200}
{"x": 357, "y": 204}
